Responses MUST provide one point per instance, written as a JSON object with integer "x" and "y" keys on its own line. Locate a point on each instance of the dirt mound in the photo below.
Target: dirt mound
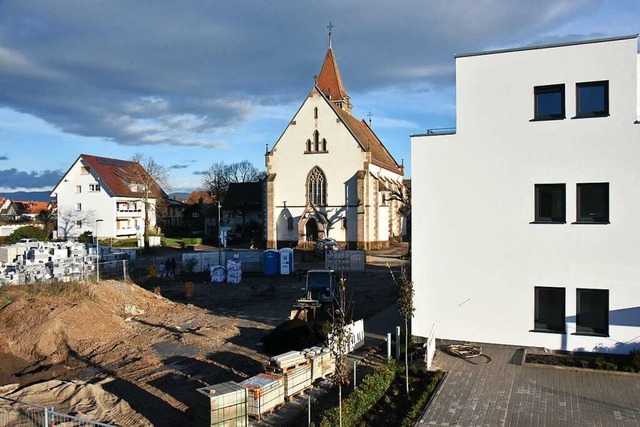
{"x": 44, "y": 323}
{"x": 80, "y": 399}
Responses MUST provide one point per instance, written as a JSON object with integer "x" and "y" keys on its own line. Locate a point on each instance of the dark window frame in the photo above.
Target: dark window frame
{"x": 541, "y": 90}
{"x": 600, "y": 113}
{"x": 590, "y": 329}
{"x": 538, "y": 217}
{"x": 538, "y": 322}
{"x": 583, "y": 218}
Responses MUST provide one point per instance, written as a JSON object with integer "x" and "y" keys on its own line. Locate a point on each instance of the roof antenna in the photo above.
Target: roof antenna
{"x": 266, "y": 149}
{"x": 315, "y": 79}
{"x": 330, "y": 27}
{"x": 369, "y": 115}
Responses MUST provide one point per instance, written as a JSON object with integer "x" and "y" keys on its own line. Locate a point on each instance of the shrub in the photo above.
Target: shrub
{"x": 373, "y": 387}
{"x": 26, "y": 232}
{"x": 605, "y": 365}
{"x": 422, "y": 401}
{"x": 192, "y": 240}
{"x": 634, "y": 360}
{"x": 86, "y": 237}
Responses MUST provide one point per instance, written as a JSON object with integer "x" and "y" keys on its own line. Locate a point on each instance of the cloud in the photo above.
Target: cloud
{"x": 14, "y": 179}
{"x": 167, "y": 73}
{"x": 4, "y": 157}
{"x": 178, "y": 167}
{"x": 200, "y": 172}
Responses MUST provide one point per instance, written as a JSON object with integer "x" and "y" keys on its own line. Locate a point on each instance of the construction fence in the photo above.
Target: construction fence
{"x": 22, "y": 414}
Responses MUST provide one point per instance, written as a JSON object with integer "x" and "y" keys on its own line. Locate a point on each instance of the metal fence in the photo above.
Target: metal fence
{"x": 345, "y": 260}
{"x": 22, "y": 414}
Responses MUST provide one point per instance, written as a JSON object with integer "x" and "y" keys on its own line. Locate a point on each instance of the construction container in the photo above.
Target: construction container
{"x": 265, "y": 392}
{"x": 223, "y": 405}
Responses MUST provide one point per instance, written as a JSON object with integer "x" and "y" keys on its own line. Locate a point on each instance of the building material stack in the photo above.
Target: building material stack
{"x": 218, "y": 274}
{"x": 321, "y": 361}
{"x": 234, "y": 271}
{"x": 295, "y": 369}
{"x": 223, "y": 404}
{"x": 265, "y": 393}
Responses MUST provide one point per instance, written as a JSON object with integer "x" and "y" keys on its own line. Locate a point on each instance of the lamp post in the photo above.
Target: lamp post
{"x": 219, "y": 236}
{"x": 97, "y": 253}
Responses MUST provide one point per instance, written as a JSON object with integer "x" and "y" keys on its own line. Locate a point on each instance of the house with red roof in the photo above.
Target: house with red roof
{"x": 329, "y": 175}
{"x": 113, "y": 196}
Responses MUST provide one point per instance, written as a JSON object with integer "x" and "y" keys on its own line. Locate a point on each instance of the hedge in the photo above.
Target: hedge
{"x": 419, "y": 405}
{"x": 373, "y": 387}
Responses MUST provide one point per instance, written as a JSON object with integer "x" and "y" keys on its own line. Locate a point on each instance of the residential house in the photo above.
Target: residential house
{"x": 29, "y": 210}
{"x": 8, "y": 211}
{"x": 200, "y": 214}
{"x": 525, "y": 226}
{"x": 329, "y": 175}
{"x": 174, "y": 213}
{"x": 242, "y": 208}
{"x": 109, "y": 195}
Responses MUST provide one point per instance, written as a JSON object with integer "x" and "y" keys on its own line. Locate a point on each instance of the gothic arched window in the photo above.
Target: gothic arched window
{"x": 316, "y": 141}
{"x": 308, "y": 146}
{"x": 324, "y": 144}
{"x": 315, "y": 113}
{"x": 317, "y": 187}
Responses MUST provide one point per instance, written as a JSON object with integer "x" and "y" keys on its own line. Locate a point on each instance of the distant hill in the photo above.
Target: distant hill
{"x": 179, "y": 196}
{"x": 35, "y": 196}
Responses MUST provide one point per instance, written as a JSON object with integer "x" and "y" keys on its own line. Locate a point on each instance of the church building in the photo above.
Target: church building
{"x": 329, "y": 175}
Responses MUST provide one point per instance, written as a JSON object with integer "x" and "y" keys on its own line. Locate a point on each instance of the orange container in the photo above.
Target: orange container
{"x": 188, "y": 289}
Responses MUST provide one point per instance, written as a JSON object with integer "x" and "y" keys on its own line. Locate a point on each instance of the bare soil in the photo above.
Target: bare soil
{"x": 130, "y": 345}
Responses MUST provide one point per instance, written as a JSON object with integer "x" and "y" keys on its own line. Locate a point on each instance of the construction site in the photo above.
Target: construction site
{"x": 145, "y": 352}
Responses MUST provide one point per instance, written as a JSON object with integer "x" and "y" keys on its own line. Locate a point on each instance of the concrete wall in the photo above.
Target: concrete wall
{"x": 478, "y": 257}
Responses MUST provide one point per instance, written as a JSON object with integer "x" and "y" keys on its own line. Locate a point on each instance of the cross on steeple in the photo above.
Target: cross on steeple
{"x": 330, "y": 27}
{"x": 369, "y": 115}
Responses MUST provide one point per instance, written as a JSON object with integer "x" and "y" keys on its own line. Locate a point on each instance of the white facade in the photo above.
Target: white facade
{"x": 83, "y": 198}
{"x": 357, "y": 173}
{"x": 479, "y": 254}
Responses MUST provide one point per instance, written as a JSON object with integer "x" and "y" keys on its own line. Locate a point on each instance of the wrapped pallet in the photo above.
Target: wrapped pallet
{"x": 265, "y": 392}
{"x": 223, "y": 405}
{"x": 296, "y": 380}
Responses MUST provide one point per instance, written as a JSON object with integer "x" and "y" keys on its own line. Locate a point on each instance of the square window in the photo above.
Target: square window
{"x": 78, "y": 224}
{"x": 78, "y": 206}
{"x": 78, "y": 188}
{"x": 593, "y": 203}
{"x": 550, "y": 203}
{"x": 549, "y": 102}
{"x": 592, "y": 312}
{"x": 549, "y": 310}
{"x": 592, "y": 99}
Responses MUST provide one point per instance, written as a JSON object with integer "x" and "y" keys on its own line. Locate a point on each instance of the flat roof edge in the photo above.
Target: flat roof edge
{"x": 432, "y": 134}
{"x": 547, "y": 46}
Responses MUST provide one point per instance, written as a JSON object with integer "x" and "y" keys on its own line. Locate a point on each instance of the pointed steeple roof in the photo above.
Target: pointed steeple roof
{"x": 330, "y": 82}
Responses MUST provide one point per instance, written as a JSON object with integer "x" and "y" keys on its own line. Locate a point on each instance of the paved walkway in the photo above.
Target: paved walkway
{"x": 506, "y": 393}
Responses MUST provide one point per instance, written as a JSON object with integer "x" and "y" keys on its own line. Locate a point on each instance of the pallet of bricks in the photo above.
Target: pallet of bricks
{"x": 222, "y": 405}
{"x": 295, "y": 368}
{"x": 321, "y": 362}
{"x": 265, "y": 392}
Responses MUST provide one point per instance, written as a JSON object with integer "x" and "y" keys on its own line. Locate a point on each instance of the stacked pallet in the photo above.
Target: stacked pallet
{"x": 265, "y": 393}
{"x": 296, "y": 371}
{"x": 321, "y": 362}
{"x": 222, "y": 404}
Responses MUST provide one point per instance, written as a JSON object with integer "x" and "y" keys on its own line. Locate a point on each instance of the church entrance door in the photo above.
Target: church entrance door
{"x": 311, "y": 230}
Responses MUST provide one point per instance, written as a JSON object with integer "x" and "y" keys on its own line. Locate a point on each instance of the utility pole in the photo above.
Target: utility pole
{"x": 219, "y": 236}
{"x": 97, "y": 253}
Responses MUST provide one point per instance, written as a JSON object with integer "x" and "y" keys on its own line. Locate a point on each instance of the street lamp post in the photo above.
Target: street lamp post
{"x": 219, "y": 236}
{"x": 97, "y": 253}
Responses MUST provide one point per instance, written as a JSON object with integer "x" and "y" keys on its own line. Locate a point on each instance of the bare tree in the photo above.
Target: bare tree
{"x": 217, "y": 178}
{"x": 149, "y": 179}
{"x": 402, "y": 194}
{"x": 47, "y": 217}
{"x": 406, "y": 310}
{"x": 339, "y": 343}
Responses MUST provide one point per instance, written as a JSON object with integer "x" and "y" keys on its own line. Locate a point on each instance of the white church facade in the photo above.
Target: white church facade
{"x": 330, "y": 176}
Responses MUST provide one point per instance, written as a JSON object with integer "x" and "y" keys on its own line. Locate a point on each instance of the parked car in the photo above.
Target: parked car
{"x": 325, "y": 245}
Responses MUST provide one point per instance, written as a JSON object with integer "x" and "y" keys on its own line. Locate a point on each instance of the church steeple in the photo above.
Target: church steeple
{"x": 330, "y": 82}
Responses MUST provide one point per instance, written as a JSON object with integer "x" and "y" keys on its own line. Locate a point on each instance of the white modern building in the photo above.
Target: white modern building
{"x": 107, "y": 196}
{"x": 329, "y": 175}
{"x": 525, "y": 218}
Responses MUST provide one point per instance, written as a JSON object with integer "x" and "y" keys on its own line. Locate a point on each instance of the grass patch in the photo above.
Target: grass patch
{"x": 71, "y": 291}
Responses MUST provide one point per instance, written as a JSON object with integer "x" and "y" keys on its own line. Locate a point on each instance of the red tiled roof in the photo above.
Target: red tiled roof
{"x": 118, "y": 174}
{"x": 195, "y": 197}
{"x": 369, "y": 141}
{"x": 28, "y": 207}
{"x": 329, "y": 80}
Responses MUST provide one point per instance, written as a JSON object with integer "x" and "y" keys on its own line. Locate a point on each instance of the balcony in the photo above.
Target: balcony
{"x": 127, "y": 231}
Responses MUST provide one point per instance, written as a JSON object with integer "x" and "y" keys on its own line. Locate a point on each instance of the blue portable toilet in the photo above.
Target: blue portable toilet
{"x": 286, "y": 261}
{"x": 271, "y": 262}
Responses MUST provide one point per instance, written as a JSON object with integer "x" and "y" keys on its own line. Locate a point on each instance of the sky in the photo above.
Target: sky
{"x": 198, "y": 82}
